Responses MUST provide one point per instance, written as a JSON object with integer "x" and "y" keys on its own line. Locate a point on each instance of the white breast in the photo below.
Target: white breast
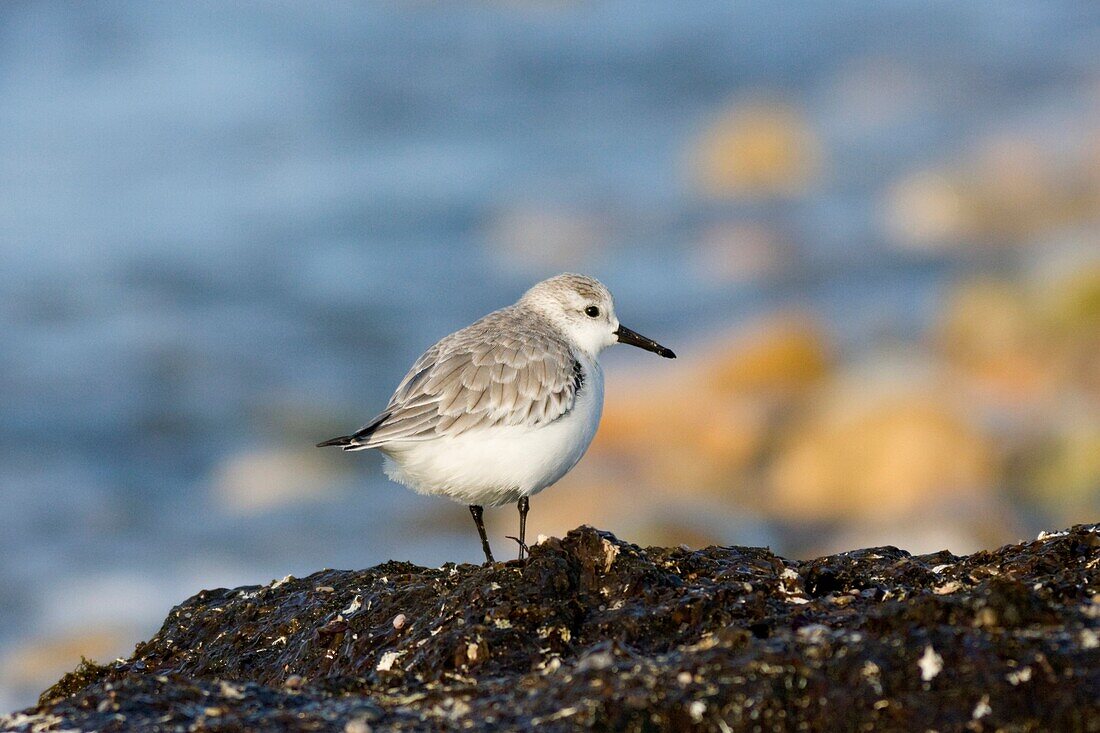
{"x": 498, "y": 465}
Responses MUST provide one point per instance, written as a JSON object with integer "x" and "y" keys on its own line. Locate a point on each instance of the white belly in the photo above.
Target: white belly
{"x": 498, "y": 465}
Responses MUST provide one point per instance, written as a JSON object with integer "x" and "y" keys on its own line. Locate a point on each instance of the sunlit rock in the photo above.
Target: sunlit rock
{"x": 925, "y": 210}
{"x": 756, "y": 149}
{"x": 1013, "y": 189}
{"x": 1066, "y": 480}
{"x": 1072, "y": 299}
{"x": 880, "y": 452}
{"x": 779, "y": 355}
{"x": 35, "y": 662}
{"x": 991, "y": 331}
{"x": 696, "y": 434}
{"x": 1026, "y": 343}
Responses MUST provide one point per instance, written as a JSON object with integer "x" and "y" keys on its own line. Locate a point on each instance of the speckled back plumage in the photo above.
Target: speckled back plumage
{"x": 511, "y": 367}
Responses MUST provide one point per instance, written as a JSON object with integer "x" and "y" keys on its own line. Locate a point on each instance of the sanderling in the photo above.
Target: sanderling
{"x": 498, "y": 411}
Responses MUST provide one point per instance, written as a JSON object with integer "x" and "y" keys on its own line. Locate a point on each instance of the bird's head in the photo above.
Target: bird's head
{"x": 583, "y": 309}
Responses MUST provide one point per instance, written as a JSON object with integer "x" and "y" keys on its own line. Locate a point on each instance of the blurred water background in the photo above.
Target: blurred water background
{"x": 870, "y": 229}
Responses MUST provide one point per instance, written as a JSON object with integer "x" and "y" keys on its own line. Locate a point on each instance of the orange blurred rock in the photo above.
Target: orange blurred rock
{"x": 1073, "y": 299}
{"x": 883, "y": 455}
{"x": 1066, "y": 481}
{"x": 1073, "y": 303}
{"x": 780, "y": 355}
{"x": 756, "y": 149}
{"x": 993, "y": 334}
{"x": 926, "y": 210}
{"x": 1022, "y": 343}
{"x": 1014, "y": 189}
{"x": 687, "y": 440}
{"x": 37, "y": 663}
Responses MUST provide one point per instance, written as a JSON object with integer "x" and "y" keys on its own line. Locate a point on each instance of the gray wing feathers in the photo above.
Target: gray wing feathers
{"x": 509, "y": 368}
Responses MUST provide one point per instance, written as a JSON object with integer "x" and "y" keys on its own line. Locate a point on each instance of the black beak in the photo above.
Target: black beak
{"x": 626, "y": 336}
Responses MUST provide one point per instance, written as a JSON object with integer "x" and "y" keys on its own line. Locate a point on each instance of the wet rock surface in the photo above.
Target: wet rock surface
{"x": 595, "y": 632}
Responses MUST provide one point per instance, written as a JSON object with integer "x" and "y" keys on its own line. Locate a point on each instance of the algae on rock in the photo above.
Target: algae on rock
{"x": 593, "y": 632}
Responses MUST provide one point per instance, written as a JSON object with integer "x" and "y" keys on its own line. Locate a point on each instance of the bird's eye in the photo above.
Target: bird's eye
{"x": 592, "y": 311}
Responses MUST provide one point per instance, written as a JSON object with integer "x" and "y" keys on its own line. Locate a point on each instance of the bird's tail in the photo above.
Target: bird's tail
{"x": 360, "y": 439}
{"x": 347, "y": 442}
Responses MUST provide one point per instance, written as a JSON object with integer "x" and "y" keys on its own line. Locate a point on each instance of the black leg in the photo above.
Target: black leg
{"x": 477, "y": 511}
{"x": 524, "y": 505}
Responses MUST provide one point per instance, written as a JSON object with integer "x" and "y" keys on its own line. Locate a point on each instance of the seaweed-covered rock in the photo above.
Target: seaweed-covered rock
{"x": 598, "y": 633}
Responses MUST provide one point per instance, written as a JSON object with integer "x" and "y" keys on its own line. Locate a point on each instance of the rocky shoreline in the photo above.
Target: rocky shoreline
{"x": 593, "y": 632}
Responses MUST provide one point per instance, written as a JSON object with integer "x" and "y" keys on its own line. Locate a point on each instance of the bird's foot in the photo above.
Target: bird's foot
{"x": 523, "y": 548}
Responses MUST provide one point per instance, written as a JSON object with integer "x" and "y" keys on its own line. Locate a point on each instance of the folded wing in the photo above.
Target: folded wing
{"x": 508, "y": 368}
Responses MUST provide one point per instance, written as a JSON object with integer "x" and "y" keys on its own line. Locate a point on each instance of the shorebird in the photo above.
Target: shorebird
{"x": 498, "y": 411}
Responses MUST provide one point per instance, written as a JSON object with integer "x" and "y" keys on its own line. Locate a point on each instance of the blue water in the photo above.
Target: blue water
{"x": 227, "y": 226}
